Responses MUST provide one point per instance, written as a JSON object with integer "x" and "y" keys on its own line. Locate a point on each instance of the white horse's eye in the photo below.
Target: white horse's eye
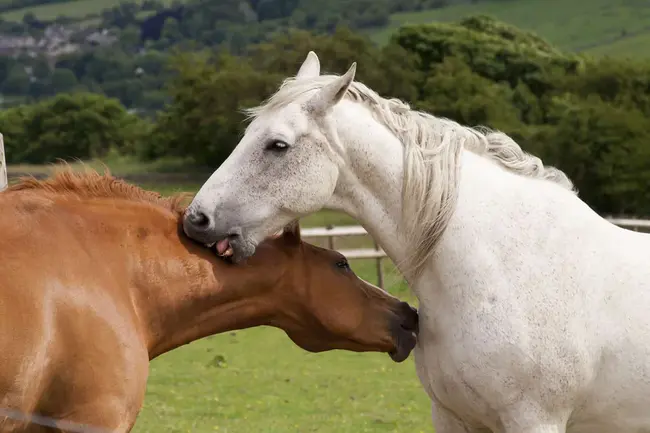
{"x": 277, "y": 146}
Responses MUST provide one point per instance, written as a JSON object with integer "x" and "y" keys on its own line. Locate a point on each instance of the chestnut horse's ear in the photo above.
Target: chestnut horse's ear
{"x": 291, "y": 233}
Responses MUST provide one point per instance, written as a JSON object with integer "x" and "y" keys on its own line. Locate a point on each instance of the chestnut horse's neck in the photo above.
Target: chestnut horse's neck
{"x": 183, "y": 292}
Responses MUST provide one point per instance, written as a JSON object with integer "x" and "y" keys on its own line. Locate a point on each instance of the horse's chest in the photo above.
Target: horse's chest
{"x": 477, "y": 367}
{"x": 452, "y": 387}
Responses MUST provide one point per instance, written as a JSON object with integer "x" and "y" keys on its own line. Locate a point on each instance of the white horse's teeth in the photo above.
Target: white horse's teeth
{"x": 210, "y": 245}
{"x": 229, "y": 252}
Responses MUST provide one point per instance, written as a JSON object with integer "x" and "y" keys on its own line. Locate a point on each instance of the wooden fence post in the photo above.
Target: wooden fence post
{"x": 3, "y": 165}
{"x": 380, "y": 268}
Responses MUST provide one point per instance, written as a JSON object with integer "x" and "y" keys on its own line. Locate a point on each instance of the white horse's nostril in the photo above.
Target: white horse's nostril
{"x": 198, "y": 219}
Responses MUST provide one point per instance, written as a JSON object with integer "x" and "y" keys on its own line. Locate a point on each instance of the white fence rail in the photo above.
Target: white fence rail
{"x": 376, "y": 253}
{"x": 631, "y": 224}
{"x": 331, "y": 232}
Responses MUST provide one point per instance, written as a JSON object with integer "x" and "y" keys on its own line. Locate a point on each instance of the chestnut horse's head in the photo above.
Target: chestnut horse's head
{"x": 323, "y": 305}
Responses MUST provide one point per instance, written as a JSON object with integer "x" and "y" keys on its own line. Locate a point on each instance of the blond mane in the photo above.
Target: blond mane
{"x": 432, "y": 148}
{"x": 91, "y": 184}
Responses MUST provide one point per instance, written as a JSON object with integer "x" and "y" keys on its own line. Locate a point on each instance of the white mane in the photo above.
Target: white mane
{"x": 432, "y": 147}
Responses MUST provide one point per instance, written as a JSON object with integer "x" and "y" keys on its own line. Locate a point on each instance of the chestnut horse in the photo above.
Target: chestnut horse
{"x": 97, "y": 278}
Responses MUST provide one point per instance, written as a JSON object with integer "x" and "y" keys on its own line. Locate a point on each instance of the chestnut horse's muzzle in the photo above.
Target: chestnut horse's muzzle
{"x": 404, "y": 328}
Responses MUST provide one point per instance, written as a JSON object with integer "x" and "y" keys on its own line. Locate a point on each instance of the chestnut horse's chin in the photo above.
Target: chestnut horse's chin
{"x": 406, "y": 342}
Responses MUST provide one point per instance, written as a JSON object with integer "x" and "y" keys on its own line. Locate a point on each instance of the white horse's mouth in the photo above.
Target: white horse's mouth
{"x": 222, "y": 248}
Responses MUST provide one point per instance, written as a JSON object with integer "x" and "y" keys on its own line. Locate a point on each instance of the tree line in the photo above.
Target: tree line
{"x": 584, "y": 115}
{"x": 147, "y": 31}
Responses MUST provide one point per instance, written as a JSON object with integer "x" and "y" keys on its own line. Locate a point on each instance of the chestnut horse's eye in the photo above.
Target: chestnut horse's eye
{"x": 277, "y": 146}
{"x": 343, "y": 264}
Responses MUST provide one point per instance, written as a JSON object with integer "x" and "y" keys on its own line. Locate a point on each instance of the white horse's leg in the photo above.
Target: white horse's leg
{"x": 533, "y": 422}
{"x": 545, "y": 428}
{"x": 444, "y": 421}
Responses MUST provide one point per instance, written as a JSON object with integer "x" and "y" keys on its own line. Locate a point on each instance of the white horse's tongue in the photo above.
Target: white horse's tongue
{"x": 222, "y": 246}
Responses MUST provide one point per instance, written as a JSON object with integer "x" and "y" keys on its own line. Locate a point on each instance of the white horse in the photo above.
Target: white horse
{"x": 534, "y": 310}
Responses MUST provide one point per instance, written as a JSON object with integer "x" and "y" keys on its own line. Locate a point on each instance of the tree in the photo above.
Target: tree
{"x": 6, "y": 65}
{"x": 582, "y": 115}
{"x": 273, "y": 9}
{"x": 17, "y": 81}
{"x": 621, "y": 82}
{"x": 171, "y": 32}
{"x": 204, "y": 119}
{"x": 604, "y": 149}
{"x": 70, "y": 126}
{"x": 40, "y": 68}
{"x": 389, "y": 71}
{"x": 452, "y": 90}
{"x": 494, "y": 50}
{"x": 130, "y": 37}
{"x": 30, "y": 20}
{"x": 62, "y": 80}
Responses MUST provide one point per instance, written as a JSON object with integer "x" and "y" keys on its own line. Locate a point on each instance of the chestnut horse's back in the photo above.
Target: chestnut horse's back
{"x": 56, "y": 300}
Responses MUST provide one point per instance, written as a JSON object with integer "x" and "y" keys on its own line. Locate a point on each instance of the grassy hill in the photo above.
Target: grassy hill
{"x": 73, "y": 9}
{"x": 76, "y": 8}
{"x": 616, "y": 27}
{"x": 601, "y": 27}
{"x": 635, "y": 45}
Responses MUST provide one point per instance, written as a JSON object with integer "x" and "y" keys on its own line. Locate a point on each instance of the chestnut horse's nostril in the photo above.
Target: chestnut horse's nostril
{"x": 409, "y": 316}
{"x": 404, "y": 328}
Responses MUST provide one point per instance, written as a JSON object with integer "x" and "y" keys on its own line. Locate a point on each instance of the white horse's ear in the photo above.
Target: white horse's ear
{"x": 332, "y": 93}
{"x": 310, "y": 67}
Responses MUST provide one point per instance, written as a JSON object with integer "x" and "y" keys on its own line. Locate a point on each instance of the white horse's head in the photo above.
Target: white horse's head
{"x": 285, "y": 166}
{"x": 323, "y": 141}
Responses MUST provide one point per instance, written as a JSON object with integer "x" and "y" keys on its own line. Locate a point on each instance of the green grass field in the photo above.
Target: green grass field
{"x": 571, "y": 25}
{"x": 73, "y": 9}
{"x": 118, "y": 165}
{"x": 257, "y": 380}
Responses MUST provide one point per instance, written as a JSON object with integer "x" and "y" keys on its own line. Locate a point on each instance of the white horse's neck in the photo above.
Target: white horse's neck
{"x": 370, "y": 186}
{"x": 370, "y": 191}
{"x": 492, "y": 200}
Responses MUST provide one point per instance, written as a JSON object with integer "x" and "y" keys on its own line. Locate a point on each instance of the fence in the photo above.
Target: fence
{"x": 631, "y": 223}
{"x": 378, "y": 254}
{"x": 331, "y": 232}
